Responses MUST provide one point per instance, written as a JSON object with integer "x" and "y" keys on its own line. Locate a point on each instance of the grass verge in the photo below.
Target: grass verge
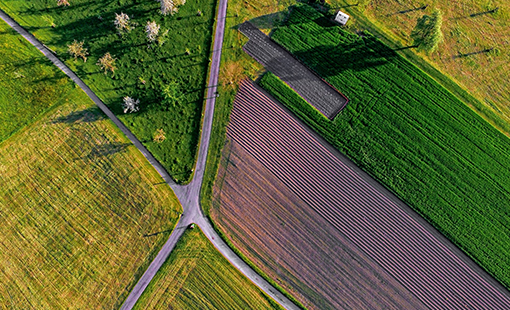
{"x": 197, "y": 276}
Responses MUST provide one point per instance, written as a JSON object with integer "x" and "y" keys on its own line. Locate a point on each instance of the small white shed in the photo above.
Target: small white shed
{"x": 341, "y": 18}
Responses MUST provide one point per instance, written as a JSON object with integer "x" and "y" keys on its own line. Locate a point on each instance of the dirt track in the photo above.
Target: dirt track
{"x": 301, "y": 176}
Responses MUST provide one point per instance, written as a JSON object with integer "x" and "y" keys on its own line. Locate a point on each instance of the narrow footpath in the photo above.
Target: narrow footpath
{"x": 188, "y": 195}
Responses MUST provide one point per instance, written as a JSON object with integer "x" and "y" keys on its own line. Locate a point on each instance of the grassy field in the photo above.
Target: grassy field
{"x": 29, "y": 83}
{"x": 469, "y": 28}
{"x": 197, "y": 276}
{"x": 410, "y": 133}
{"x": 142, "y": 70}
{"x": 77, "y": 205}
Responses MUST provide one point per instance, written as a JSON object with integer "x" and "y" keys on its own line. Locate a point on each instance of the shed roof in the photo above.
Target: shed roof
{"x": 341, "y": 17}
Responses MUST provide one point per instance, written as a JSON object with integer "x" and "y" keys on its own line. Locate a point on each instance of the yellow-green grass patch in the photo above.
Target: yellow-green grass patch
{"x": 77, "y": 204}
{"x": 470, "y": 28}
{"x": 29, "y": 83}
{"x": 197, "y": 276}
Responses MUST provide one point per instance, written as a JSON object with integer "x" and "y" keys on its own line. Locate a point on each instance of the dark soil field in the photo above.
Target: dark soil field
{"x": 310, "y": 86}
{"x": 327, "y": 233}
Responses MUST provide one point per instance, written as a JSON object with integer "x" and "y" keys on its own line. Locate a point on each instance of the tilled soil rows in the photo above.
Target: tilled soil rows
{"x": 326, "y": 232}
{"x": 276, "y": 59}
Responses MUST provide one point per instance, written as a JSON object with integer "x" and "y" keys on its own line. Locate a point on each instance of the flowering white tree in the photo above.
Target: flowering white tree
{"x": 63, "y": 2}
{"x": 76, "y": 49}
{"x": 122, "y": 23}
{"x": 130, "y": 105}
{"x": 152, "y": 30}
{"x": 107, "y": 62}
{"x": 170, "y": 6}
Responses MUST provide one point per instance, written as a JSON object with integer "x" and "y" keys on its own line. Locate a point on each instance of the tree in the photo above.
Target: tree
{"x": 159, "y": 136}
{"x": 107, "y": 62}
{"x": 63, "y": 2}
{"x": 122, "y": 23}
{"x": 427, "y": 33}
{"x": 170, "y": 6}
{"x": 76, "y": 49}
{"x": 130, "y": 105}
{"x": 152, "y": 30}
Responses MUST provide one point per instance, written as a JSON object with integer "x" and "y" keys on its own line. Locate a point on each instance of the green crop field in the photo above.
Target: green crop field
{"x": 29, "y": 83}
{"x": 143, "y": 70}
{"x": 197, "y": 276}
{"x": 410, "y": 133}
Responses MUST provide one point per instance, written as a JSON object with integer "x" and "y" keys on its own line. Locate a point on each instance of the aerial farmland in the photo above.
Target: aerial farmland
{"x": 228, "y": 154}
{"x": 302, "y": 198}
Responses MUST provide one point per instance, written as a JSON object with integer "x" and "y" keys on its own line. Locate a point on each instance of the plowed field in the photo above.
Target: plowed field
{"x": 325, "y": 231}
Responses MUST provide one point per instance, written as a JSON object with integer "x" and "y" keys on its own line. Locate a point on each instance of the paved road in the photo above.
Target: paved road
{"x": 188, "y": 195}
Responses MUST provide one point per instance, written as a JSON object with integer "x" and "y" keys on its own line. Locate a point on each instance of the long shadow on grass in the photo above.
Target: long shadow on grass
{"x": 89, "y": 115}
{"x": 57, "y": 9}
{"x": 268, "y": 21}
{"x": 159, "y": 232}
{"x": 105, "y": 150}
{"x": 363, "y": 54}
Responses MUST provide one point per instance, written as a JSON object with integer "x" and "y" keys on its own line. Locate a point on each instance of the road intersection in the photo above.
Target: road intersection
{"x": 189, "y": 194}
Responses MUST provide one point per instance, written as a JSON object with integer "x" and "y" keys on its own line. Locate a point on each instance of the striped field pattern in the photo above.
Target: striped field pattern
{"x": 424, "y": 266}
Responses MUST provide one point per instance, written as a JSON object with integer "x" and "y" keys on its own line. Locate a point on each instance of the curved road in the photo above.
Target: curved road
{"x": 189, "y": 194}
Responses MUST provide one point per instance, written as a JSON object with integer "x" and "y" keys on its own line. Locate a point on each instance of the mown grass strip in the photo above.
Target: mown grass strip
{"x": 410, "y": 133}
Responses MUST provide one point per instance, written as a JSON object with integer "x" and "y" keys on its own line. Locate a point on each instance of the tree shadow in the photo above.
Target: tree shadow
{"x": 89, "y": 115}
{"x": 57, "y": 9}
{"x": 105, "y": 150}
{"x": 35, "y": 60}
{"x": 421, "y": 8}
{"x": 159, "y": 232}
{"x": 485, "y": 13}
{"x": 485, "y": 51}
{"x": 363, "y": 54}
{"x": 268, "y": 21}
{"x": 493, "y": 11}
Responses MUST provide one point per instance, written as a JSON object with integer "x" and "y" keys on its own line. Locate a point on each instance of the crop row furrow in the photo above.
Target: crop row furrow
{"x": 252, "y": 125}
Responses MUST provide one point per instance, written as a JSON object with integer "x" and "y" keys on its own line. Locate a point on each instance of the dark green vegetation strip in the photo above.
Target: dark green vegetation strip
{"x": 29, "y": 83}
{"x": 197, "y": 276}
{"x": 143, "y": 70}
{"x": 410, "y": 133}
